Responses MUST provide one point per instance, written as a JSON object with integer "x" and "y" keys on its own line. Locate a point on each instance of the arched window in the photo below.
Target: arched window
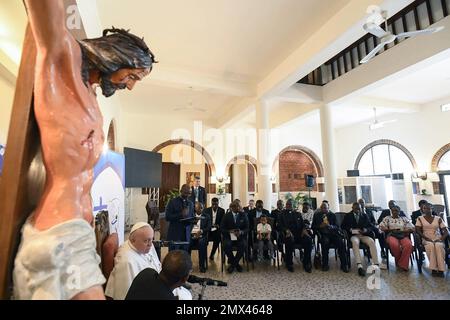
{"x": 384, "y": 157}
{"x": 444, "y": 162}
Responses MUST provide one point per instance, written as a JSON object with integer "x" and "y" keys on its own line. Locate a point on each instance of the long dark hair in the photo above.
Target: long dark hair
{"x": 114, "y": 51}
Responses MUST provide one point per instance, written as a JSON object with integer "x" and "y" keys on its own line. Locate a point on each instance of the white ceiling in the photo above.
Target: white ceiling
{"x": 201, "y": 43}
{"x": 423, "y": 86}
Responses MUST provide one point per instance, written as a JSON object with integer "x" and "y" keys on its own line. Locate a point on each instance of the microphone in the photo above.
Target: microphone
{"x": 207, "y": 281}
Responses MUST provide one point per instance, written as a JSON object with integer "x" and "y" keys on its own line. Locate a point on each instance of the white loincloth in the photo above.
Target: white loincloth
{"x": 57, "y": 263}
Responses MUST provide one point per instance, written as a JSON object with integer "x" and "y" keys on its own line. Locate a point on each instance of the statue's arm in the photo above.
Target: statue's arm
{"x": 47, "y": 22}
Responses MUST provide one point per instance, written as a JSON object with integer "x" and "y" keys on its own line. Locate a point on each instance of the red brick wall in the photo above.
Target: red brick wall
{"x": 293, "y": 167}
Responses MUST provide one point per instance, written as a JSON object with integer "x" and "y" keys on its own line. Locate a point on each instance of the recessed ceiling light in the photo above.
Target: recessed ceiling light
{"x": 445, "y": 107}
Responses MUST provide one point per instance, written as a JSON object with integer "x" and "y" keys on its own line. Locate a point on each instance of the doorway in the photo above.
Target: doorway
{"x": 170, "y": 179}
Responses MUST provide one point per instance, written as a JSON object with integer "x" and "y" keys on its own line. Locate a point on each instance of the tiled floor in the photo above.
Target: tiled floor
{"x": 266, "y": 282}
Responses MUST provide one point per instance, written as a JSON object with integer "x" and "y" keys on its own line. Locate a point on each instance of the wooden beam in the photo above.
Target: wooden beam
{"x": 444, "y": 8}
{"x": 21, "y": 147}
{"x": 430, "y": 12}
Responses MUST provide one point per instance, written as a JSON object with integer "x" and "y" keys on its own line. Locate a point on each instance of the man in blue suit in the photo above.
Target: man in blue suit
{"x": 180, "y": 215}
{"x": 198, "y": 193}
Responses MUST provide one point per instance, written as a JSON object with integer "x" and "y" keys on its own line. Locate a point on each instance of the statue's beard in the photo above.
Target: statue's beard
{"x": 108, "y": 87}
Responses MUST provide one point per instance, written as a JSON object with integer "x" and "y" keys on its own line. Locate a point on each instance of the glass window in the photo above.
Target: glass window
{"x": 444, "y": 162}
{"x": 381, "y": 159}
{"x": 400, "y": 161}
{"x": 365, "y": 166}
{"x": 387, "y": 159}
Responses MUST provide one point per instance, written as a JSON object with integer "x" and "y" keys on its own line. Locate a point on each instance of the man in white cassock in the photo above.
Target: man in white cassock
{"x": 135, "y": 255}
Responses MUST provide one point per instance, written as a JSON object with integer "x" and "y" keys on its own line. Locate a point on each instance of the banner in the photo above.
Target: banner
{"x": 108, "y": 190}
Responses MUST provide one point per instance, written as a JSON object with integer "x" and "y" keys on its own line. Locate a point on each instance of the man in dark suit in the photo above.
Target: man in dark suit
{"x": 234, "y": 222}
{"x": 378, "y": 233}
{"x": 250, "y": 207}
{"x": 387, "y": 212}
{"x": 358, "y": 227}
{"x": 198, "y": 193}
{"x": 180, "y": 215}
{"x": 149, "y": 285}
{"x": 293, "y": 230}
{"x": 276, "y": 212}
{"x": 324, "y": 224}
{"x": 215, "y": 214}
{"x": 199, "y": 235}
{"x": 418, "y": 213}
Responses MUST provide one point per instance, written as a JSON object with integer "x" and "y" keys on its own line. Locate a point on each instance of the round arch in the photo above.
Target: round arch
{"x": 388, "y": 142}
{"x": 245, "y": 157}
{"x": 437, "y": 157}
{"x": 308, "y": 152}
{"x": 192, "y": 144}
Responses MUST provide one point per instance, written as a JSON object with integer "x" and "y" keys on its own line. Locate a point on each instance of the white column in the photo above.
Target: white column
{"x": 263, "y": 153}
{"x": 329, "y": 157}
{"x": 236, "y": 181}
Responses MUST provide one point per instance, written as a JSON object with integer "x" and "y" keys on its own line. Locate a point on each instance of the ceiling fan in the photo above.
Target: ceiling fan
{"x": 388, "y": 37}
{"x": 190, "y": 107}
{"x": 375, "y": 124}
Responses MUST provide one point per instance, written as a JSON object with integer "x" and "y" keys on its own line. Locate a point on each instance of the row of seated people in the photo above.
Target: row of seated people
{"x": 358, "y": 226}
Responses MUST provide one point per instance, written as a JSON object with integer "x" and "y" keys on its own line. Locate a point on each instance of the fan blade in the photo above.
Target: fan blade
{"x": 388, "y": 121}
{"x": 373, "y": 52}
{"x": 418, "y": 32}
{"x": 375, "y": 29}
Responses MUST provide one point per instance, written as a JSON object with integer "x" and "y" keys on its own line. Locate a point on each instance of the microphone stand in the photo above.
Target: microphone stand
{"x": 202, "y": 293}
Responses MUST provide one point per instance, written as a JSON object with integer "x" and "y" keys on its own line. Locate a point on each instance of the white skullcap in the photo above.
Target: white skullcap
{"x": 139, "y": 225}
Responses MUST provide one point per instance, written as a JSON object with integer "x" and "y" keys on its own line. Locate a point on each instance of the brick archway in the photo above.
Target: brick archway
{"x": 192, "y": 144}
{"x": 388, "y": 142}
{"x": 297, "y": 160}
{"x": 308, "y": 152}
{"x": 437, "y": 157}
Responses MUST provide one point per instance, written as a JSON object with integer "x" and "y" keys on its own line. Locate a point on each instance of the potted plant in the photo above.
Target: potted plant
{"x": 297, "y": 200}
{"x": 171, "y": 195}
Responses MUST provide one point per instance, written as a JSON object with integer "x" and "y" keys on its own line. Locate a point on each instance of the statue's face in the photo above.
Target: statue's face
{"x": 129, "y": 77}
{"x": 121, "y": 79}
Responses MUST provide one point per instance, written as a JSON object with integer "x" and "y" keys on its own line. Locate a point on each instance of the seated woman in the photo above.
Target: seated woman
{"x": 397, "y": 231}
{"x": 433, "y": 232}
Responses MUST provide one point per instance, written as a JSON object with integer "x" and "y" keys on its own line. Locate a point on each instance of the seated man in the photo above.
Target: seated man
{"x": 149, "y": 285}
{"x": 199, "y": 235}
{"x": 293, "y": 230}
{"x": 308, "y": 213}
{"x": 234, "y": 227}
{"x": 359, "y": 228}
{"x": 387, "y": 212}
{"x": 324, "y": 223}
{"x": 216, "y": 214}
{"x": 263, "y": 235}
{"x": 135, "y": 255}
{"x": 378, "y": 233}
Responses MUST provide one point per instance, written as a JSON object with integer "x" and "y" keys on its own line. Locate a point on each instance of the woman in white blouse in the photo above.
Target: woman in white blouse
{"x": 433, "y": 232}
{"x": 397, "y": 230}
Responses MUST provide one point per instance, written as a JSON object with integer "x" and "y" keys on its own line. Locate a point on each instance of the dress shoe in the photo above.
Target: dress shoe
{"x": 440, "y": 274}
{"x": 202, "y": 269}
{"x": 211, "y": 258}
{"x": 361, "y": 272}
{"x": 238, "y": 268}
{"x": 325, "y": 268}
{"x": 308, "y": 268}
{"x": 345, "y": 268}
{"x": 230, "y": 269}
{"x": 290, "y": 268}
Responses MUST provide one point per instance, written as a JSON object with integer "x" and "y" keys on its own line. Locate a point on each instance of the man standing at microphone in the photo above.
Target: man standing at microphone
{"x": 180, "y": 214}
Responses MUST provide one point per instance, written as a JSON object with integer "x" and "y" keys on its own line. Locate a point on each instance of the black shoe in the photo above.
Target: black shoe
{"x": 434, "y": 273}
{"x": 290, "y": 268}
{"x": 211, "y": 258}
{"x": 308, "y": 268}
{"x": 202, "y": 269}
{"x": 238, "y": 268}
{"x": 325, "y": 268}
{"x": 230, "y": 269}
{"x": 345, "y": 269}
{"x": 440, "y": 274}
{"x": 361, "y": 272}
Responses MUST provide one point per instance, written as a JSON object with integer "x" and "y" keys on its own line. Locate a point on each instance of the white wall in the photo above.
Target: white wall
{"x": 6, "y": 101}
{"x": 422, "y": 133}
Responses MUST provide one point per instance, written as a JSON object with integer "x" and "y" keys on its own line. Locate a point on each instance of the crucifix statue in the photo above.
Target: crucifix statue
{"x": 57, "y": 258}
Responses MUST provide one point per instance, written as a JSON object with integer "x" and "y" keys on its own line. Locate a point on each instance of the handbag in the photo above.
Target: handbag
{"x": 397, "y": 234}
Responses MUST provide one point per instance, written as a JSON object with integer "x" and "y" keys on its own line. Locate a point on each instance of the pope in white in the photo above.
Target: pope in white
{"x": 135, "y": 255}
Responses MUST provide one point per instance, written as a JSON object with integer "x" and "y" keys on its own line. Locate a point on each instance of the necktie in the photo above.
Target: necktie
{"x": 235, "y": 217}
